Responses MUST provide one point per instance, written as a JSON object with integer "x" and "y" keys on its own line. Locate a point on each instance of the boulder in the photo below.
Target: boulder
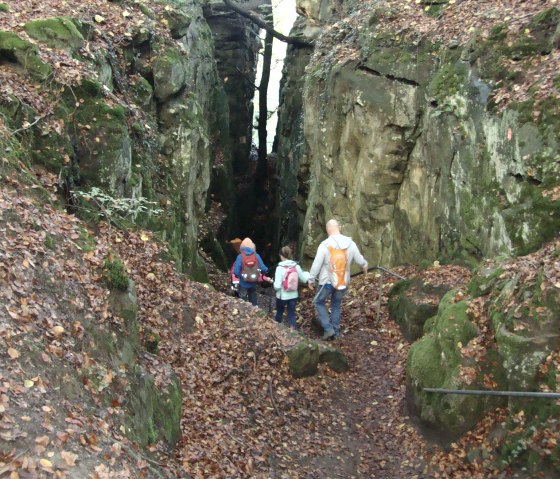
{"x": 57, "y": 32}
{"x": 435, "y": 361}
{"x": 104, "y": 145}
{"x": 14, "y": 48}
{"x": 169, "y": 74}
{"x": 178, "y": 22}
{"x": 305, "y": 356}
{"x": 412, "y": 303}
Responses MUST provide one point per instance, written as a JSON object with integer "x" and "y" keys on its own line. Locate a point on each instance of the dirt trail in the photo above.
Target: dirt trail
{"x": 362, "y": 415}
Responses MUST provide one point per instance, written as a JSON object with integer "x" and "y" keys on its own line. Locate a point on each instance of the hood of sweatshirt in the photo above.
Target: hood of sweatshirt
{"x": 247, "y": 250}
{"x": 338, "y": 241}
{"x": 287, "y": 262}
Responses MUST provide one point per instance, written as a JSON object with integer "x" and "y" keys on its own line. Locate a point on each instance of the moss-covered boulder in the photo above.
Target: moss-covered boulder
{"x": 178, "y": 22}
{"x": 526, "y": 319}
{"x": 436, "y": 361}
{"x": 125, "y": 305}
{"x": 154, "y": 412}
{"x": 169, "y": 73}
{"x": 103, "y": 143}
{"x": 143, "y": 92}
{"x": 303, "y": 359}
{"x": 13, "y": 48}
{"x": 57, "y": 32}
{"x": 412, "y": 303}
{"x": 305, "y": 356}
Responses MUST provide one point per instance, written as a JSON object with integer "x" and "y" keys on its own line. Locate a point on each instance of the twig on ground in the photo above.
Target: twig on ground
{"x": 15, "y": 458}
{"x": 272, "y": 397}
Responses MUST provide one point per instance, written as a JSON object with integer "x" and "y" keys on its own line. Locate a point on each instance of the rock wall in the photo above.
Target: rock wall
{"x": 148, "y": 115}
{"x": 402, "y": 142}
{"x": 237, "y": 45}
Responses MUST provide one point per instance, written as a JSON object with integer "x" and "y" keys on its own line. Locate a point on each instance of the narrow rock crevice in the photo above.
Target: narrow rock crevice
{"x": 369, "y": 71}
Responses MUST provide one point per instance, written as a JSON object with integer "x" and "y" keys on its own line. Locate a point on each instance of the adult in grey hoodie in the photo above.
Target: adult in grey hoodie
{"x": 320, "y": 272}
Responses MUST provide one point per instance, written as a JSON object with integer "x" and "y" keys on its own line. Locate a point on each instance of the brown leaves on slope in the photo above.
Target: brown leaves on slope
{"x": 458, "y": 22}
{"x": 53, "y": 421}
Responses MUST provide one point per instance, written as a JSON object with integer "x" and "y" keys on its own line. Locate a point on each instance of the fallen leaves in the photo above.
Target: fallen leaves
{"x": 13, "y": 353}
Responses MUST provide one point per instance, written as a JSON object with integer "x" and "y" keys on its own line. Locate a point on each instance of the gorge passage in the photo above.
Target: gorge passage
{"x": 428, "y": 129}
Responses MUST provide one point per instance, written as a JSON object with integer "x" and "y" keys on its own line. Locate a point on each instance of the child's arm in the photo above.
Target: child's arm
{"x": 302, "y": 275}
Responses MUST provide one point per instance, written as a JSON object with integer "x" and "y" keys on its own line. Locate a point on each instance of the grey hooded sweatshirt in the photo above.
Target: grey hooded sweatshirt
{"x": 320, "y": 268}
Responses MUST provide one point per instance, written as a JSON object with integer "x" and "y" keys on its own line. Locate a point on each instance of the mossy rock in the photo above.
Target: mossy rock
{"x": 412, "y": 303}
{"x": 484, "y": 280}
{"x": 435, "y": 361}
{"x": 212, "y": 246}
{"x": 527, "y": 324}
{"x": 169, "y": 72}
{"x": 178, "y": 22}
{"x": 57, "y": 32}
{"x": 303, "y": 359}
{"x": 143, "y": 92}
{"x": 153, "y": 414}
{"x": 533, "y": 220}
{"x": 104, "y": 151}
{"x": 333, "y": 358}
{"x": 167, "y": 413}
{"x": 15, "y": 49}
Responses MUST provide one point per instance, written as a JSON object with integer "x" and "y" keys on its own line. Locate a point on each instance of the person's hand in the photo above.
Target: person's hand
{"x": 365, "y": 268}
{"x": 270, "y": 280}
{"x": 310, "y": 285}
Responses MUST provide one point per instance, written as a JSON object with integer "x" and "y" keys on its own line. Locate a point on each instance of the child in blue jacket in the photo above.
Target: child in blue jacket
{"x": 248, "y": 289}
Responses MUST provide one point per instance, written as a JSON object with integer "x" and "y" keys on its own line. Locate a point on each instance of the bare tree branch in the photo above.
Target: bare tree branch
{"x": 300, "y": 42}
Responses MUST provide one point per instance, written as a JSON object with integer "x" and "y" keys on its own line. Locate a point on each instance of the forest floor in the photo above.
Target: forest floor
{"x": 243, "y": 414}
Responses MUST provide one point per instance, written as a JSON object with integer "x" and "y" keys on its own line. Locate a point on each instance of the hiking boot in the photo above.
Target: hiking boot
{"x": 327, "y": 335}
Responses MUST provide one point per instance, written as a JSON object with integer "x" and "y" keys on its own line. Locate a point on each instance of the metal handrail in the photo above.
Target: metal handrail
{"x": 479, "y": 392}
{"x": 382, "y": 269}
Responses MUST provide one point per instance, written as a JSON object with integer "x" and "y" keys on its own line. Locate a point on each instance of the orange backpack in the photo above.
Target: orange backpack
{"x": 338, "y": 260}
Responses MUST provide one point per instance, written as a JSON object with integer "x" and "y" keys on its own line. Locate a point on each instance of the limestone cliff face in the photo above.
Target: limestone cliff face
{"x": 237, "y": 45}
{"x": 401, "y": 142}
{"x": 150, "y": 117}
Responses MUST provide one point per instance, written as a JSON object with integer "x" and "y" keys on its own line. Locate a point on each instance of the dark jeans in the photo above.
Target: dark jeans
{"x": 291, "y": 305}
{"x": 248, "y": 294}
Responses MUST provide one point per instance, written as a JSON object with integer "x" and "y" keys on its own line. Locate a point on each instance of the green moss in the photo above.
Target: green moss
{"x": 547, "y": 19}
{"x": 424, "y": 360}
{"x": 49, "y": 242}
{"x": 533, "y": 220}
{"x": 483, "y": 281}
{"x": 498, "y": 33}
{"x": 13, "y": 48}
{"x": 178, "y": 22}
{"x": 151, "y": 340}
{"x": 522, "y": 47}
{"x": 115, "y": 273}
{"x": 446, "y": 84}
{"x": 152, "y": 432}
{"x": 167, "y": 413}
{"x": 57, "y": 32}
{"x": 4, "y": 8}
{"x": 142, "y": 91}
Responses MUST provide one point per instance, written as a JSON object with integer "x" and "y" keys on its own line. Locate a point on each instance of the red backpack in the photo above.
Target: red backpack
{"x": 250, "y": 270}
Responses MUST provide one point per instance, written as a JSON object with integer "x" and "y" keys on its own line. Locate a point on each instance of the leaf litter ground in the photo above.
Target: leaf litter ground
{"x": 243, "y": 414}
